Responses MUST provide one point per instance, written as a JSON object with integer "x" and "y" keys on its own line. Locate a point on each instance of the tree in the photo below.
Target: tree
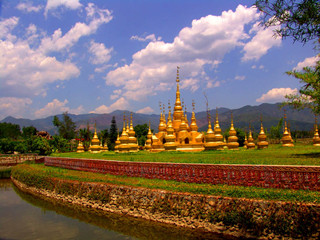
{"x": 59, "y": 144}
{"x": 66, "y": 127}
{"x": 41, "y": 146}
{"x": 29, "y": 131}
{"x": 276, "y": 131}
{"x": 104, "y": 136}
{"x": 141, "y": 133}
{"x": 309, "y": 93}
{"x": 113, "y": 133}
{"x": 9, "y": 130}
{"x": 299, "y": 19}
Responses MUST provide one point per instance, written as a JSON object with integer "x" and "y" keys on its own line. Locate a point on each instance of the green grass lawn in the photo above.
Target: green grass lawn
{"x": 39, "y": 175}
{"x": 274, "y": 155}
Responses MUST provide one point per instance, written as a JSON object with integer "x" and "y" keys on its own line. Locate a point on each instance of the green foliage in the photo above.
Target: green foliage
{"x": 7, "y": 145}
{"x": 276, "y": 131}
{"x": 41, "y": 146}
{"x": 21, "y": 147}
{"x": 85, "y": 135}
{"x": 309, "y": 93}
{"x": 141, "y": 133}
{"x": 66, "y": 127}
{"x": 29, "y": 131}
{"x": 113, "y": 133}
{"x": 104, "y": 136}
{"x": 59, "y": 144}
{"x": 299, "y": 19}
{"x": 9, "y": 130}
{"x": 5, "y": 173}
{"x": 240, "y": 134}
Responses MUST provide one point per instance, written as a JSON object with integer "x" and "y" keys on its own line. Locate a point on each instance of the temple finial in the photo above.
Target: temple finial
{"x": 178, "y": 80}
{"x": 193, "y": 105}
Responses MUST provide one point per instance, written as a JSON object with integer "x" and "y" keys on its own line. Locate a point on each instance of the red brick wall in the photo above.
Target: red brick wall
{"x": 267, "y": 176}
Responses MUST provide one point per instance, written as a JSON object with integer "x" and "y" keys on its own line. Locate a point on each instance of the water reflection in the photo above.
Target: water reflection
{"x": 23, "y": 216}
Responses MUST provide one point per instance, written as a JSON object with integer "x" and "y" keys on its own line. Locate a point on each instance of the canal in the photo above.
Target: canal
{"x": 23, "y": 216}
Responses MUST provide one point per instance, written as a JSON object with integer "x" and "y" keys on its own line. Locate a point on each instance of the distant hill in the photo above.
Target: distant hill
{"x": 271, "y": 114}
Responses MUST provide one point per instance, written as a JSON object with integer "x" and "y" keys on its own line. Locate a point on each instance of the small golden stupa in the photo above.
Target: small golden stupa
{"x": 286, "y": 139}
{"x": 80, "y": 147}
{"x": 210, "y": 137}
{"x": 170, "y": 143}
{"x": 132, "y": 142}
{"x": 262, "y": 137}
{"x": 245, "y": 140}
{"x": 117, "y": 143}
{"x": 124, "y": 138}
{"x": 232, "y": 139}
{"x": 105, "y": 148}
{"x": 148, "y": 143}
{"x": 217, "y": 134}
{"x": 250, "y": 144}
{"x": 95, "y": 142}
{"x": 316, "y": 138}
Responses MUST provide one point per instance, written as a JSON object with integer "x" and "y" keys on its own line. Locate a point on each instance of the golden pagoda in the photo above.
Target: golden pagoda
{"x": 232, "y": 139}
{"x": 262, "y": 137}
{"x": 217, "y": 133}
{"x": 117, "y": 143}
{"x": 210, "y": 137}
{"x": 316, "y": 138}
{"x": 124, "y": 138}
{"x": 105, "y": 148}
{"x": 170, "y": 143}
{"x": 148, "y": 143}
{"x": 186, "y": 138}
{"x": 80, "y": 147}
{"x": 132, "y": 142}
{"x": 286, "y": 139}
{"x": 95, "y": 142}
{"x": 250, "y": 144}
{"x": 245, "y": 140}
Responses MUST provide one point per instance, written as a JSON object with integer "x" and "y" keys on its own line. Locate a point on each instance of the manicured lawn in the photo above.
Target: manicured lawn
{"x": 38, "y": 175}
{"x": 274, "y": 155}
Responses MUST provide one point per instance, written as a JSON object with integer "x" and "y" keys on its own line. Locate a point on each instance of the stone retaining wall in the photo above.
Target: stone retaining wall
{"x": 266, "y": 176}
{"x": 231, "y": 216}
{"x": 14, "y": 159}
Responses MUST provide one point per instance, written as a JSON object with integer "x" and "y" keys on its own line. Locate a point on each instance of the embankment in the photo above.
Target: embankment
{"x": 232, "y": 216}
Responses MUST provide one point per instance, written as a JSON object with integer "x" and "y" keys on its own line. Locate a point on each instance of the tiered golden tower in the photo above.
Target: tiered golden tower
{"x": 316, "y": 138}
{"x": 95, "y": 142}
{"x": 186, "y": 138}
{"x": 124, "y": 139}
{"x": 262, "y": 138}
{"x": 286, "y": 139}
{"x": 232, "y": 139}
{"x": 250, "y": 144}
{"x": 218, "y": 138}
{"x": 210, "y": 137}
{"x": 80, "y": 147}
{"x": 148, "y": 143}
{"x": 132, "y": 142}
{"x": 117, "y": 143}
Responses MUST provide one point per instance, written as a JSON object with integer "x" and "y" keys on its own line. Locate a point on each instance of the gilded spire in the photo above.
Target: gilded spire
{"x": 286, "y": 139}
{"x": 316, "y": 138}
{"x": 262, "y": 143}
{"x": 232, "y": 139}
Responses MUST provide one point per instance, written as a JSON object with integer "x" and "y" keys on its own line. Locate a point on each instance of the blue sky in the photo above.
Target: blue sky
{"x": 100, "y": 56}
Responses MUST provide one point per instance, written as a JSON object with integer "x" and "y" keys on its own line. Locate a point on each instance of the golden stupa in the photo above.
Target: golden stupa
{"x": 132, "y": 142}
{"x": 316, "y": 138}
{"x": 80, "y": 147}
{"x": 210, "y": 137}
{"x": 124, "y": 139}
{"x": 218, "y": 138}
{"x": 250, "y": 144}
{"x": 262, "y": 138}
{"x": 232, "y": 139}
{"x": 104, "y": 148}
{"x": 286, "y": 139}
{"x": 186, "y": 138}
{"x": 148, "y": 143}
{"x": 245, "y": 140}
{"x": 117, "y": 143}
{"x": 95, "y": 142}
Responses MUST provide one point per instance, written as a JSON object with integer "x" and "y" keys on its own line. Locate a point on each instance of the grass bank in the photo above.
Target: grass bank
{"x": 274, "y": 155}
{"x": 40, "y": 176}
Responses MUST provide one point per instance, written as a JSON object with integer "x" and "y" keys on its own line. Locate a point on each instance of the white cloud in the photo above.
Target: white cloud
{"x": 148, "y": 38}
{"x": 57, "y": 42}
{"x": 276, "y": 95}
{"x": 15, "y": 107}
{"x": 260, "y": 43}
{"x": 204, "y": 43}
{"x": 56, "y": 107}
{"x": 146, "y": 110}
{"x": 28, "y": 7}
{"x": 240, "y": 78}
{"x": 120, "y": 104}
{"x": 100, "y": 54}
{"x": 308, "y": 62}
{"x": 6, "y": 26}
{"x": 70, "y": 4}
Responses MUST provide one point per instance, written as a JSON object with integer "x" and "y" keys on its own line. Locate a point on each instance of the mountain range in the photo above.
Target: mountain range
{"x": 270, "y": 113}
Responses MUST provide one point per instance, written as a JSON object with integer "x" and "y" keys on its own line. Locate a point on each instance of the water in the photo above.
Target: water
{"x": 23, "y": 216}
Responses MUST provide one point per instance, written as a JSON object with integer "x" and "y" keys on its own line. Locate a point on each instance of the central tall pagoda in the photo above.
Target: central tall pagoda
{"x": 176, "y": 134}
